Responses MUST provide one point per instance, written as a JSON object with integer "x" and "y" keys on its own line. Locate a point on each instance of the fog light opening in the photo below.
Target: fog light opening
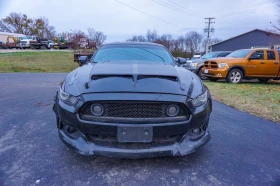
{"x": 71, "y": 130}
{"x": 97, "y": 109}
{"x": 172, "y": 110}
{"x": 196, "y": 131}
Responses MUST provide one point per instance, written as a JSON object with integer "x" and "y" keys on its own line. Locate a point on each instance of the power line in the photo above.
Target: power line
{"x": 182, "y": 7}
{"x": 148, "y": 14}
{"x": 162, "y": 3}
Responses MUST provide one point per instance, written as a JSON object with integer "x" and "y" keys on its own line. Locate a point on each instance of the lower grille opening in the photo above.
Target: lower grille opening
{"x": 134, "y": 112}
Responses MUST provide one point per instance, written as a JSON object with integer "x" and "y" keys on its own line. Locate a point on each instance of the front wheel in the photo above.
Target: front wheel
{"x": 235, "y": 76}
{"x": 202, "y": 77}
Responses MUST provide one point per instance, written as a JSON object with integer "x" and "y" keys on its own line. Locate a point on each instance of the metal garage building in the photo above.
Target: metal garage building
{"x": 255, "y": 38}
{"x": 4, "y": 35}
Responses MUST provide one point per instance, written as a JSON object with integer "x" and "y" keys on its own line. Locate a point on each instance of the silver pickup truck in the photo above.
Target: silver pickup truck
{"x": 196, "y": 65}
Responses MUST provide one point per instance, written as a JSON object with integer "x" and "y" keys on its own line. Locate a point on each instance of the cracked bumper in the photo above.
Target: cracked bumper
{"x": 184, "y": 147}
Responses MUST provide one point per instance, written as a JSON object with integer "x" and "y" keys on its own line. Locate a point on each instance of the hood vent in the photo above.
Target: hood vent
{"x": 96, "y": 77}
{"x": 171, "y": 78}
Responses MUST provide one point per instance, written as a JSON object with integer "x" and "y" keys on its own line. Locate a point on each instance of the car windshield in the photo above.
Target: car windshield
{"x": 132, "y": 52}
{"x": 27, "y": 37}
{"x": 209, "y": 55}
{"x": 239, "y": 53}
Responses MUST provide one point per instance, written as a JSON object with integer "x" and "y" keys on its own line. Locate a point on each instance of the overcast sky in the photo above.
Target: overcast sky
{"x": 120, "y": 21}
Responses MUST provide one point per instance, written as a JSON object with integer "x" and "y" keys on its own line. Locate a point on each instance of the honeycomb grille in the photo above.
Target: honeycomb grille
{"x": 135, "y": 110}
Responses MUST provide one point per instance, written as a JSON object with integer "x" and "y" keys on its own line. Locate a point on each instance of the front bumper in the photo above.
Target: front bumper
{"x": 184, "y": 147}
{"x": 84, "y": 144}
{"x": 220, "y": 73}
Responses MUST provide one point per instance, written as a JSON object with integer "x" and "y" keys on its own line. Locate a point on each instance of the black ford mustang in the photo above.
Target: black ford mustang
{"x": 132, "y": 101}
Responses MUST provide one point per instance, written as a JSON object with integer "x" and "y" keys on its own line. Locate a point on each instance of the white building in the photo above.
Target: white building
{"x": 4, "y": 35}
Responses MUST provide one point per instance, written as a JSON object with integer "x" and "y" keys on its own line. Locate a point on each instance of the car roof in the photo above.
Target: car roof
{"x": 219, "y": 51}
{"x": 133, "y": 43}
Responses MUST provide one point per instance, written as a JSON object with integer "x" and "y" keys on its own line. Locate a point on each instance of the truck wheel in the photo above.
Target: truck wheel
{"x": 199, "y": 73}
{"x": 213, "y": 79}
{"x": 235, "y": 76}
{"x": 263, "y": 80}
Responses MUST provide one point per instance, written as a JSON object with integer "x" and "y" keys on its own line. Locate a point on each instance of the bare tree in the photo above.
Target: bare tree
{"x": 91, "y": 33}
{"x": 166, "y": 40}
{"x": 99, "y": 38}
{"x": 138, "y": 38}
{"x": 212, "y": 41}
{"x": 41, "y": 28}
{"x": 3, "y": 27}
{"x": 16, "y": 22}
{"x": 193, "y": 41}
{"x": 152, "y": 36}
{"x": 276, "y": 26}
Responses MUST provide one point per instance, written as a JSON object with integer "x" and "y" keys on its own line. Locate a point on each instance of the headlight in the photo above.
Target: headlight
{"x": 199, "y": 100}
{"x": 67, "y": 98}
{"x": 221, "y": 65}
{"x": 194, "y": 64}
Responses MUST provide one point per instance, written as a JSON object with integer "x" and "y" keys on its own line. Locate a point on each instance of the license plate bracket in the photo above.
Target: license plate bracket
{"x": 135, "y": 134}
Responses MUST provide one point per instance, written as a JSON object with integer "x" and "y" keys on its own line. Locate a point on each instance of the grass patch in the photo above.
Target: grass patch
{"x": 256, "y": 98}
{"x": 37, "y": 61}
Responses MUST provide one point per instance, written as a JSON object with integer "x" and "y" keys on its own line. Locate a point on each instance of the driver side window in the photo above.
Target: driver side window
{"x": 258, "y": 54}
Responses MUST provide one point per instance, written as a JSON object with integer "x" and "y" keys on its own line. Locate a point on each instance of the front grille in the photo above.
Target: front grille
{"x": 134, "y": 112}
{"x": 210, "y": 64}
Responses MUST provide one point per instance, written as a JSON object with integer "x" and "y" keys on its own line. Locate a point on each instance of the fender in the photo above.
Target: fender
{"x": 238, "y": 66}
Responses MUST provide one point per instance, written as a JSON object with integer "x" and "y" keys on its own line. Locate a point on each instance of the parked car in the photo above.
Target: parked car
{"x": 196, "y": 65}
{"x": 261, "y": 64}
{"x": 132, "y": 101}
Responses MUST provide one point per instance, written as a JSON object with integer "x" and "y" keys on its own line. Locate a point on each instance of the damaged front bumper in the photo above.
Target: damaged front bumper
{"x": 183, "y": 147}
{"x": 175, "y": 138}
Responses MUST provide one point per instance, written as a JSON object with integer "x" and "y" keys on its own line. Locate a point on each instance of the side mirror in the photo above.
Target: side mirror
{"x": 83, "y": 60}
{"x": 181, "y": 60}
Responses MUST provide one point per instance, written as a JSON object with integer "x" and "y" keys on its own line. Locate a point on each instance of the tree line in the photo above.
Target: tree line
{"x": 40, "y": 27}
{"x": 184, "y": 45}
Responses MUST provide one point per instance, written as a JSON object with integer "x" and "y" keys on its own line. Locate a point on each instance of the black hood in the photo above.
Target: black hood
{"x": 134, "y": 76}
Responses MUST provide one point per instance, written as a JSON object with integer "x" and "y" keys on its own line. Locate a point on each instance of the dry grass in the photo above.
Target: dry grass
{"x": 37, "y": 62}
{"x": 262, "y": 100}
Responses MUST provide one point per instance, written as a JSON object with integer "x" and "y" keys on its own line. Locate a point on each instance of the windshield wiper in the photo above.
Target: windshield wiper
{"x": 153, "y": 54}
{"x": 105, "y": 61}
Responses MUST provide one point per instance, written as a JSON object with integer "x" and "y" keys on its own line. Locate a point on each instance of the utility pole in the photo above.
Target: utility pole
{"x": 208, "y": 31}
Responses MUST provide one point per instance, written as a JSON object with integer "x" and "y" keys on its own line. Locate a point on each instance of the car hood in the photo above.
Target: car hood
{"x": 133, "y": 77}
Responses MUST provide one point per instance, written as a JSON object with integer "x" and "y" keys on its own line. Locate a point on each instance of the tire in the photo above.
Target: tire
{"x": 234, "y": 76}
{"x": 213, "y": 79}
{"x": 199, "y": 73}
{"x": 43, "y": 48}
{"x": 263, "y": 80}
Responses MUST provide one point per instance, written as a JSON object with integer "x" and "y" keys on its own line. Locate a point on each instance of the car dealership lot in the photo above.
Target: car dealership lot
{"x": 244, "y": 149}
